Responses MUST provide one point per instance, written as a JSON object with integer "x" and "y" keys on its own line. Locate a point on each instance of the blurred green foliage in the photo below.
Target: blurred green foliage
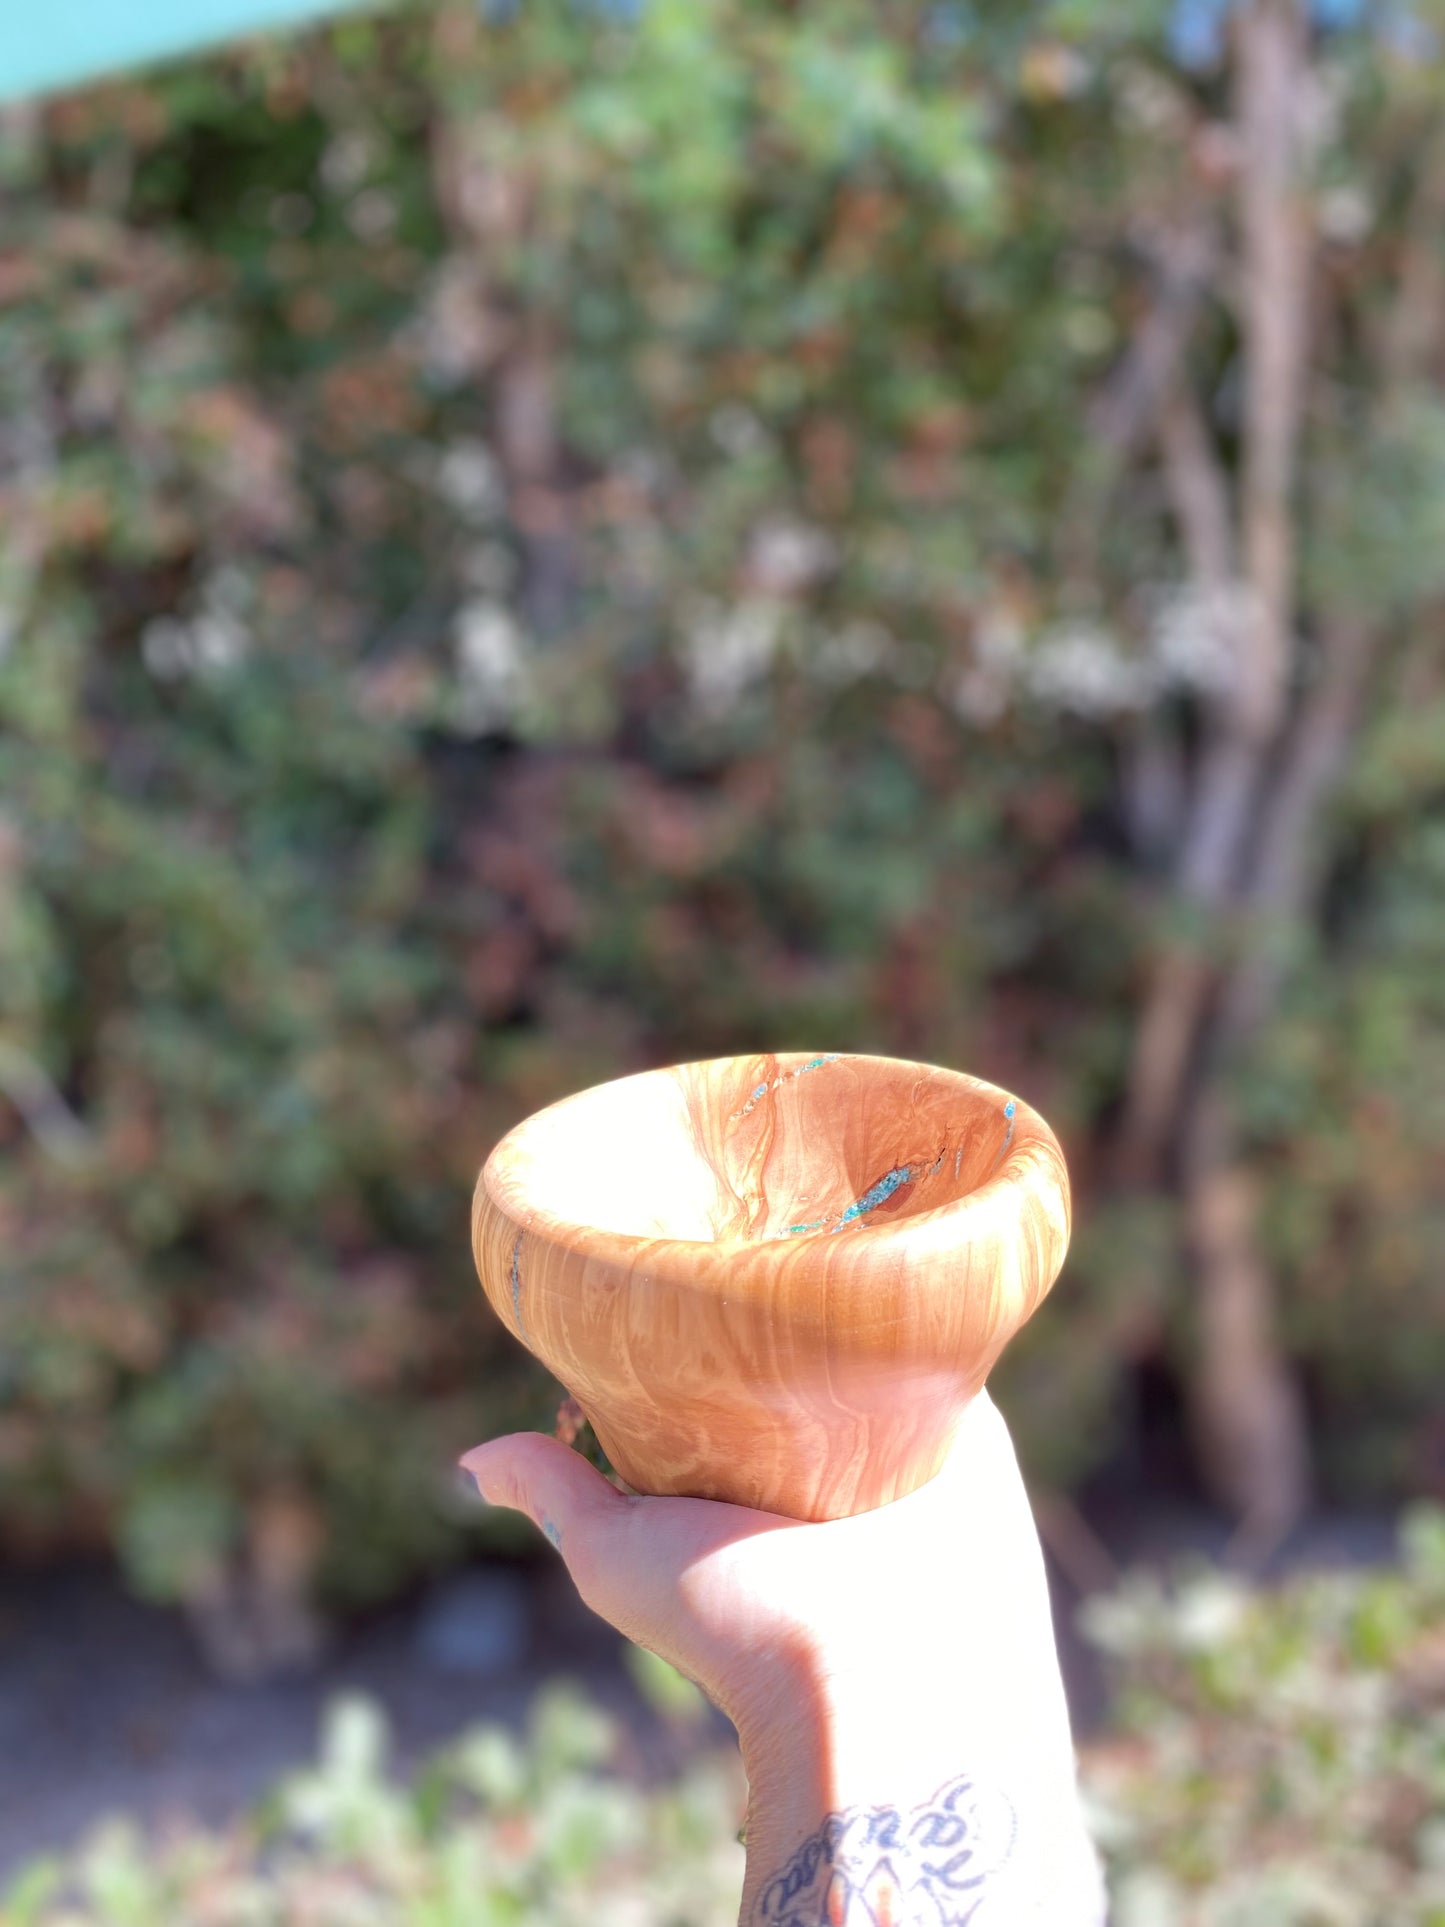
{"x": 537, "y": 544}
{"x": 1279, "y": 1759}
{"x": 496, "y": 1831}
{"x": 1281, "y": 1755}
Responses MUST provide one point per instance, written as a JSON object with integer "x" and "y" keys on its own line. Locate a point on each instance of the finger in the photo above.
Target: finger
{"x": 624, "y": 1552}
{"x": 635, "y": 1560}
{"x": 549, "y": 1481}
{"x": 566, "y": 1498}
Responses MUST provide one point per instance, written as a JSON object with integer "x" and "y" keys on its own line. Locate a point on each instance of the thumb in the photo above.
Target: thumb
{"x": 568, "y": 1499}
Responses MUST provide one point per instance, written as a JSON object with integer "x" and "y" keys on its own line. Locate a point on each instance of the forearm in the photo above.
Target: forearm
{"x": 914, "y": 1817}
{"x": 928, "y": 1777}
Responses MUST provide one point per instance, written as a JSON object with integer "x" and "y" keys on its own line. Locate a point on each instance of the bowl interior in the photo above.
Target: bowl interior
{"x": 746, "y": 1148}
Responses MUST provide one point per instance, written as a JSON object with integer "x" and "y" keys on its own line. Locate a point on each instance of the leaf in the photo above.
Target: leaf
{"x": 664, "y": 1688}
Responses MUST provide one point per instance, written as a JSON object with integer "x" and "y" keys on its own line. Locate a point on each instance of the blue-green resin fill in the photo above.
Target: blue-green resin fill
{"x": 891, "y": 1180}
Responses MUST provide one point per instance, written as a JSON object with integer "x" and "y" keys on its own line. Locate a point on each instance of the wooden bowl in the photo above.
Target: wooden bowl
{"x": 777, "y": 1280}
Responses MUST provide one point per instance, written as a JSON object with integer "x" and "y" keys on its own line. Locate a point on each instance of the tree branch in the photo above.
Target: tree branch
{"x": 1273, "y": 74}
{"x": 1416, "y": 321}
{"x": 50, "y": 1120}
{"x": 1245, "y": 1405}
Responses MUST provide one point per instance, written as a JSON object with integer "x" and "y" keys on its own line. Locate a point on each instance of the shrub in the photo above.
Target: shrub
{"x": 1280, "y": 1757}
{"x": 541, "y": 540}
{"x": 496, "y": 1831}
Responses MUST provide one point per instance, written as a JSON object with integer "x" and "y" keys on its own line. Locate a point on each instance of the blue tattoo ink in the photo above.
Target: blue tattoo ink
{"x": 934, "y": 1860}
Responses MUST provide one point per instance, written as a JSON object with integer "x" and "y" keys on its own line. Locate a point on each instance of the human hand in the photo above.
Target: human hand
{"x": 869, "y": 1664}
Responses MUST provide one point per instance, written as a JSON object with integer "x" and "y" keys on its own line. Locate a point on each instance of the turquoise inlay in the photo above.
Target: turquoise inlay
{"x": 871, "y": 1199}
{"x": 1008, "y": 1136}
{"x": 66, "y": 42}
{"x": 761, "y": 1090}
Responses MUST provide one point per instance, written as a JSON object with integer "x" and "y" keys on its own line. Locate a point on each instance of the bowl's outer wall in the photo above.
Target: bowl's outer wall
{"x": 813, "y": 1376}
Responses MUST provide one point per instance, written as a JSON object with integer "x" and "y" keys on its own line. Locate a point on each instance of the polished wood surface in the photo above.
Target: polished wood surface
{"x": 776, "y": 1280}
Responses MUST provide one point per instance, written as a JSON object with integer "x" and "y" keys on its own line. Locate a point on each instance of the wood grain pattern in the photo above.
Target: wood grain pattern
{"x": 776, "y": 1280}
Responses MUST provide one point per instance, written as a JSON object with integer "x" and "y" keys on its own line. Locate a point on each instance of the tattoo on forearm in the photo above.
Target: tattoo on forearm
{"x": 879, "y": 1864}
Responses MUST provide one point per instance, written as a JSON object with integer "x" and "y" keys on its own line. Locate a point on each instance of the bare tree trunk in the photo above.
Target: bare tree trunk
{"x": 1289, "y": 859}
{"x": 1244, "y": 1406}
{"x": 1247, "y": 1413}
{"x": 1246, "y": 1410}
{"x": 1413, "y": 330}
{"x": 1184, "y": 256}
{"x": 1171, "y": 1022}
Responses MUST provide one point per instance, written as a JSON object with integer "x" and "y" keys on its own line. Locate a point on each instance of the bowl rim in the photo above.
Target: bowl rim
{"x": 1031, "y": 1164}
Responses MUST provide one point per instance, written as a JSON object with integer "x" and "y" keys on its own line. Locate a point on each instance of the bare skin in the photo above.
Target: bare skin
{"x": 893, "y": 1679}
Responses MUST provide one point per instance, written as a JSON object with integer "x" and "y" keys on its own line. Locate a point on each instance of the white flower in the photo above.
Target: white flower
{"x": 1197, "y": 634}
{"x": 730, "y": 650}
{"x": 491, "y": 665}
{"x": 469, "y": 479}
{"x": 209, "y": 644}
{"x": 786, "y": 556}
{"x": 1081, "y": 666}
{"x": 1209, "y": 1613}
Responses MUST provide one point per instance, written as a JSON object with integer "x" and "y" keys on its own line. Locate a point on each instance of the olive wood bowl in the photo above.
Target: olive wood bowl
{"x": 777, "y": 1280}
